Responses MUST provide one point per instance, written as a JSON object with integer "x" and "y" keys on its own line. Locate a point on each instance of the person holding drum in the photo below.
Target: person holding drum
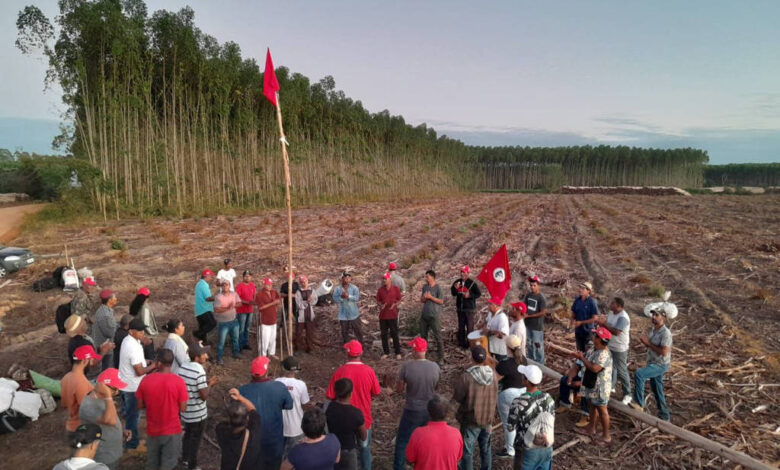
{"x": 496, "y": 327}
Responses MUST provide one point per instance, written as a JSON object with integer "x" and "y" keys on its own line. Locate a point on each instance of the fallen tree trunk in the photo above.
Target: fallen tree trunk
{"x": 669, "y": 428}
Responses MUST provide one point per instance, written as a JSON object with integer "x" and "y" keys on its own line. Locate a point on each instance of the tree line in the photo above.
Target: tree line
{"x": 173, "y": 121}
{"x": 743, "y": 174}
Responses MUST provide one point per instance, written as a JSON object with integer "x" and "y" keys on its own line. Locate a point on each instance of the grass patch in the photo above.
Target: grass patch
{"x": 117, "y": 244}
{"x": 656, "y": 290}
{"x": 640, "y": 279}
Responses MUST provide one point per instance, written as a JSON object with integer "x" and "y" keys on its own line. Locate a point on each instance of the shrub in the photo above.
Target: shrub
{"x": 118, "y": 245}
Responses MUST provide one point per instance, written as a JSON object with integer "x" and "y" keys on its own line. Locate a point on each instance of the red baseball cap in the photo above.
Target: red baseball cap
{"x": 603, "y": 333}
{"x": 207, "y": 272}
{"x": 465, "y": 269}
{"x": 144, "y": 291}
{"x": 520, "y": 306}
{"x": 386, "y": 275}
{"x": 496, "y": 301}
{"x": 267, "y": 281}
{"x": 85, "y": 352}
{"x": 534, "y": 279}
{"x": 392, "y": 266}
{"x": 354, "y": 348}
{"x": 419, "y": 344}
{"x": 106, "y": 294}
{"x": 111, "y": 378}
{"x": 90, "y": 281}
{"x": 260, "y": 366}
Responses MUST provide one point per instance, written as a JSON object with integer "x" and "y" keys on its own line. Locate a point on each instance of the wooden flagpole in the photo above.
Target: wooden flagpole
{"x": 283, "y": 141}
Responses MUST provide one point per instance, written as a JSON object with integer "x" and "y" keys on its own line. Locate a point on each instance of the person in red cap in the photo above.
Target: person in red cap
{"x": 104, "y": 325}
{"x": 517, "y": 323}
{"x": 365, "y": 386}
{"x": 389, "y": 296}
{"x": 140, "y": 306}
{"x": 247, "y": 291}
{"x": 98, "y": 408}
{"x": 435, "y": 446}
{"x": 597, "y": 384}
{"x": 466, "y": 293}
{"x": 269, "y": 397}
{"x": 75, "y": 385}
{"x": 536, "y": 308}
{"x": 267, "y": 301}
{"x": 396, "y": 278}
{"x": 164, "y": 396}
{"x": 420, "y": 378}
{"x": 85, "y": 300}
{"x": 204, "y": 306}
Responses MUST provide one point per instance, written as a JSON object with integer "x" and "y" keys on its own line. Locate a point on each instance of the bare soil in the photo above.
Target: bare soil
{"x": 11, "y": 218}
{"x": 718, "y": 254}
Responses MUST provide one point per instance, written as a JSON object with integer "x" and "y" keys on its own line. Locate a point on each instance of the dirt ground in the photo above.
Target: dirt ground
{"x": 11, "y": 218}
{"x": 720, "y": 256}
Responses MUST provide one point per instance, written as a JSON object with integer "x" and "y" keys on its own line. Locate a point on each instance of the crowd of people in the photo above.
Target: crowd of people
{"x": 117, "y": 373}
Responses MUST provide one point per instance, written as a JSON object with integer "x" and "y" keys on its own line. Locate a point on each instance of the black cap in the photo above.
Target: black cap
{"x": 246, "y": 271}
{"x": 290, "y": 363}
{"x": 197, "y": 348}
{"x": 84, "y": 435}
{"x": 137, "y": 324}
{"x": 227, "y": 260}
{"x": 479, "y": 354}
{"x": 345, "y": 274}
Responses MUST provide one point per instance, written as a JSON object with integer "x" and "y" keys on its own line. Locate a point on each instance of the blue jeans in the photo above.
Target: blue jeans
{"x": 563, "y": 396}
{"x": 534, "y": 352}
{"x": 225, "y": 328}
{"x": 620, "y": 371}
{"x": 130, "y": 410}
{"x": 539, "y": 458}
{"x": 410, "y": 420}
{"x": 655, "y": 373}
{"x": 473, "y": 435}
{"x": 244, "y": 324}
{"x": 364, "y": 452}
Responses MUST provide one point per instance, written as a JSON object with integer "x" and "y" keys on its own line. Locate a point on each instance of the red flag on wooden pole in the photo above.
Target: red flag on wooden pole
{"x": 270, "y": 83}
{"x": 496, "y": 276}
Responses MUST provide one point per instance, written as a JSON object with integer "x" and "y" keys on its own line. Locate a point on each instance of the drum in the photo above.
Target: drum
{"x": 476, "y": 338}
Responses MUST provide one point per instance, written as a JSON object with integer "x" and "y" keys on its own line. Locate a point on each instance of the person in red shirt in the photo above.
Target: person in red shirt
{"x": 365, "y": 386}
{"x": 389, "y": 296}
{"x": 435, "y": 446}
{"x": 267, "y": 301}
{"x": 164, "y": 395}
{"x": 247, "y": 291}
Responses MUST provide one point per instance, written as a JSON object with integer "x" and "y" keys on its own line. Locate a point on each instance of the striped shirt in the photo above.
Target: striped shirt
{"x": 195, "y": 379}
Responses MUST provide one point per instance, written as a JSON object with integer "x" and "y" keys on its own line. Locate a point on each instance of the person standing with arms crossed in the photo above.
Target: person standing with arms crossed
{"x": 536, "y": 308}
{"x": 432, "y": 299}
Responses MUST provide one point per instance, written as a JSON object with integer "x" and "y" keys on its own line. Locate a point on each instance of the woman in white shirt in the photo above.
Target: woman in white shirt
{"x": 176, "y": 343}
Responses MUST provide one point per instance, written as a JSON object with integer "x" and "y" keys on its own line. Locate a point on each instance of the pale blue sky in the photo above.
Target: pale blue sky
{"x": 660, "y": 73}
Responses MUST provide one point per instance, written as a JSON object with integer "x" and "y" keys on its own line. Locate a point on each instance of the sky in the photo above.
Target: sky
{"x": 697, "y": 73}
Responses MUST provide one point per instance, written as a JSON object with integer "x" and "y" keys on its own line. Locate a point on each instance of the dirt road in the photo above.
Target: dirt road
{"x": 11, "y": 219}
{"x": 720, "y": 255}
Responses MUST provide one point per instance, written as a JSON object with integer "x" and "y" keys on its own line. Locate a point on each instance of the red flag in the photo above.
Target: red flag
{"x": 496, "y": 276}
{"x": 270, "y": 83}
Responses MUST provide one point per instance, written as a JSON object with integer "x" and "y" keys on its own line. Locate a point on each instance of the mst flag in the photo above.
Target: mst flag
{"x": 496, "y": 276}
{"x": 270, "y": 83}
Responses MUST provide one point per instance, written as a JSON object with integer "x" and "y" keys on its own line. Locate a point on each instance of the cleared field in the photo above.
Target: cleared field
{"x": 720, "y": 255}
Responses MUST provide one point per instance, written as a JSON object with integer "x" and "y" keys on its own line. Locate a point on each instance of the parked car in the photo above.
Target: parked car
{"x": 13, "y": 259}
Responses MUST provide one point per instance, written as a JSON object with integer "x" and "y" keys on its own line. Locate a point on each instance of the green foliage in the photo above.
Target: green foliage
{"x": 656, "y": 290}
{"x": 550, "y": 167}
{"x": 118, "y": 245}
{"x": 742, "y": 174}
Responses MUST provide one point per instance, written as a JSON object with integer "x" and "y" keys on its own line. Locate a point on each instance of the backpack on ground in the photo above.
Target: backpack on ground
{"x": 62, "y": 314}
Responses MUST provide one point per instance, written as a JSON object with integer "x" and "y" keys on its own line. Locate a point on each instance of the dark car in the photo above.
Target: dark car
{"x": 13, "y": 259}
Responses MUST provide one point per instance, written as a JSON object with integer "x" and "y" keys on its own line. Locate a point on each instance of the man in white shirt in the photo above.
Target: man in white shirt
{"x": 132, "y": 368}
{"x": 618, "y": 323}
{"x": 300, "y": 395}
{"x": 227, "y": 274}
{"x": 496, "y": 327}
